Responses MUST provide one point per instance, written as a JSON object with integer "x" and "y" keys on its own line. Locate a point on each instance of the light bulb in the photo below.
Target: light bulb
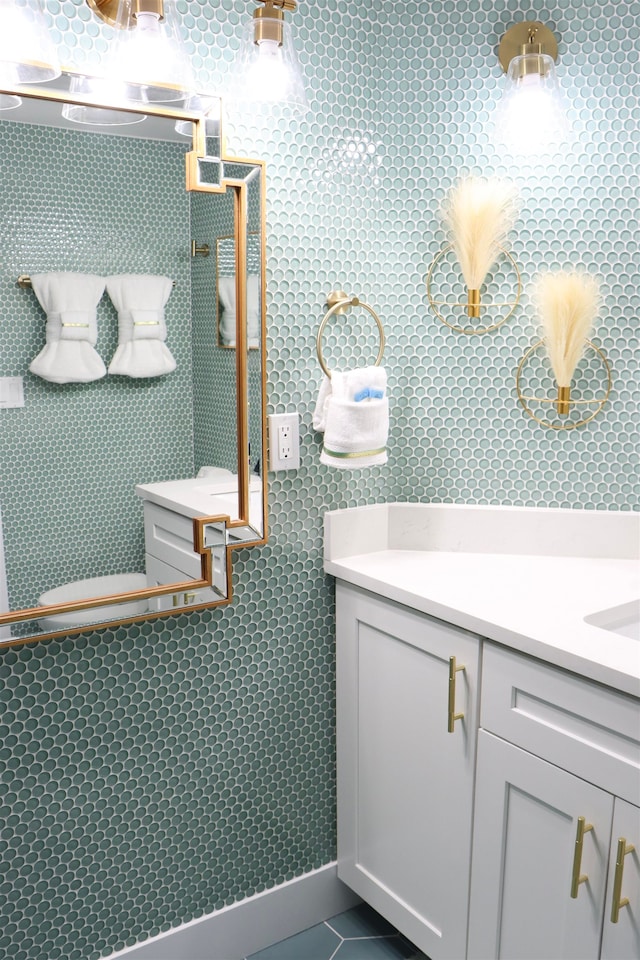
{"x": 103, "y": 91}
{"x": 267, "y": 68}
{"x": 27, "y": 52}
{"x": 150, "y": 58}
{"x": 531, "y": 117}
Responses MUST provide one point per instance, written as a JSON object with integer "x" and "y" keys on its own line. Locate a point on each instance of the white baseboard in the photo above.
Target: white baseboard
{"x": 252, "y": 924}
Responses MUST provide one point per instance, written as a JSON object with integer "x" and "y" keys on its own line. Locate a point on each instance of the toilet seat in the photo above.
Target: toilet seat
{"x": 94, "y": 587}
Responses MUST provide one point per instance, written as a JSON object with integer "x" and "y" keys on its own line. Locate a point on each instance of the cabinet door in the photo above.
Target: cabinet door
{"x": 524, "y": 853}
{"x": 404, "y": 782}
{"x": 621, "y": 939}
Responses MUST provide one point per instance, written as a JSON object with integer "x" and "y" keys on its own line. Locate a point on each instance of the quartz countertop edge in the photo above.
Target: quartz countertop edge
{"x": 532, "y": 598}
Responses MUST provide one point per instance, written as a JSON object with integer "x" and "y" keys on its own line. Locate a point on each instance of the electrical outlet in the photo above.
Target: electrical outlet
{"x": 284, "y": 441}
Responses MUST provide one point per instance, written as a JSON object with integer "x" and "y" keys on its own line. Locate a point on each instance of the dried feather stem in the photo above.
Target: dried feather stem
{"x": 478, "y": 216}
{"x": 567, "y": 304}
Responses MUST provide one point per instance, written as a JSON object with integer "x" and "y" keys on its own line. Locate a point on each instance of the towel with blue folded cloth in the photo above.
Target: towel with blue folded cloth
{"x": 352, "y": 411}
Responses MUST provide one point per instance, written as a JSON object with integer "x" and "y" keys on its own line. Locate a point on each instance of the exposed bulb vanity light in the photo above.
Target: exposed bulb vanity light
{"x": 147, "y": 56}
{"x": 531, "y": 118}
{"x": 27, "y": 51}
{"x": 267, "y": 67}
{"x": 104, "y": 91}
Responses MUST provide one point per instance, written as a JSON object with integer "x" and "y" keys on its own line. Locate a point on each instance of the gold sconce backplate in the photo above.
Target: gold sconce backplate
{"x": 107, "y": 10}
{"x": 444, "y": 275}
{"x": 565, "y": 401}
{"x": 519, "y": 35}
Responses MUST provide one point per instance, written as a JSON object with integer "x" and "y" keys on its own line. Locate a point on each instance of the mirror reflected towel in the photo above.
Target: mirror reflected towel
{"x": 227, "y": 311}
{"x": 70, "y": 301}
{"x": 140, "y": 301}
{"x": 352, "y": 411}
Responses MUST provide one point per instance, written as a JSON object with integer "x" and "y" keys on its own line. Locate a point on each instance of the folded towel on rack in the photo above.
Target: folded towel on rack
{"x": 355, "y": 430}
{"x": 227, "y": 311}
{"x": 140, "y": 300}
{"x": 70, "y": 301}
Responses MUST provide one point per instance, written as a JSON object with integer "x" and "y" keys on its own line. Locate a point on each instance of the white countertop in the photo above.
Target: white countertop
{"x": 203, "y": 496}
{"x": 522, "y": 577}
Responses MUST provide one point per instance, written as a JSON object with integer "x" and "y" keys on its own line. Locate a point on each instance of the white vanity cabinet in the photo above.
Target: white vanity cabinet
{"x": 549, "y": 742}
{"x": 557, "y": 788}
{"x": 406, "y": 734}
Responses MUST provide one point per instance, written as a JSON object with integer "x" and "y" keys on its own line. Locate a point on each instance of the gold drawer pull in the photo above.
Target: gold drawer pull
{"x": 618, "y": 900}
{"x": 452, "y": 716}
{"x": 576, "y": 877}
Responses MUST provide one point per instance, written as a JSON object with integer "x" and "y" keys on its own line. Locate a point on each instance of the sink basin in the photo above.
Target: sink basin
{"x": 623, "y": 620}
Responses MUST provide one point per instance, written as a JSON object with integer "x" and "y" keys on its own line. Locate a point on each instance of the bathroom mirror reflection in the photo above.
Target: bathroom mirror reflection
{"x": 99, "y": 476}
{"x": 225, "y": 270}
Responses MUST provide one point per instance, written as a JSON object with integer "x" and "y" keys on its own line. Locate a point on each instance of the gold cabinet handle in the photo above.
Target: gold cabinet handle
{"x": 452, "y": 716}
{"x": 618, "y": 901}
{"x": 576, "y": 877}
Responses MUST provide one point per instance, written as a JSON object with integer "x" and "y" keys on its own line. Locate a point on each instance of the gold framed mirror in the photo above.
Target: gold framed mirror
{"x": 100, "y": 478}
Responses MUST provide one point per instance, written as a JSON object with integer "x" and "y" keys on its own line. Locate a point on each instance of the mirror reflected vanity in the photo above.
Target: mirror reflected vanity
{"x": 123, "y": 497}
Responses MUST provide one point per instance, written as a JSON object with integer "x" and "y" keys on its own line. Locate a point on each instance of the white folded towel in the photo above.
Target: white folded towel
{"x": 353, "y": 413}
{"x": 70, "y": 301}
{"x": 227, "y": 308}
{"x": 140, "y": 300}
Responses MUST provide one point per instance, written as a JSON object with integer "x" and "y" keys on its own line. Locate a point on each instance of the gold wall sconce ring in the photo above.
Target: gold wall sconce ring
{"x": 563, "y": 402}
{"x": 437, "y": 305}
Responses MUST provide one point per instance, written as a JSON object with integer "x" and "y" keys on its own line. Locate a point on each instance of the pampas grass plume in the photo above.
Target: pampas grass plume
{"x": 478, "y": 215}
{"x": 567, "y": 303}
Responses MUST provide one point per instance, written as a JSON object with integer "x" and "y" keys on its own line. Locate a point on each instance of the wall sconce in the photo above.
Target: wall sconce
{"x": 147, "y": 58}
{"x": 567, "y": 304}
{"x": 267, "y": 67}
{"x": 531, "y": 117}
{"x": 27, "y": 52}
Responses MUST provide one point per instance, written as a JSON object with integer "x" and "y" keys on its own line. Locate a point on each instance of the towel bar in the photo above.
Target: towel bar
{"x": 24, "y": 281}
{"x": 338, "y": 303}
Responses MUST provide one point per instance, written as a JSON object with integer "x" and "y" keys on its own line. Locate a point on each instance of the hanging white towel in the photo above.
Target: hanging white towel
{"x": 140, "y": 300}
{"x": 70, "y": 301}
{"x": 227, "y": 308}
{"x": 353, "y": 413}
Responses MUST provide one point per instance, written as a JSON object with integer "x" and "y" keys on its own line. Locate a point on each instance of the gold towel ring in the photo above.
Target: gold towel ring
{"x": 339, "y": 306}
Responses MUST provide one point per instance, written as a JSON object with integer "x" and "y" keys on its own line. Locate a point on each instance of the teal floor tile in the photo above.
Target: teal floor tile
{"x": 375, "y": 948}
{"x": 361, "y": 921}
{"x": 316, "y": 943}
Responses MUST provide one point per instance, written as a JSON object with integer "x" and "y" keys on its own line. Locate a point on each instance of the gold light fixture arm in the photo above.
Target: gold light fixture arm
{"x": 109, "y": 11}
{"x": 268, "y": 19}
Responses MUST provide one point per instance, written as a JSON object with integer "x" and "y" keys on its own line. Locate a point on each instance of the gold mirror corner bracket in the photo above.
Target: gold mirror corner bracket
{"x": 523, "y": 34}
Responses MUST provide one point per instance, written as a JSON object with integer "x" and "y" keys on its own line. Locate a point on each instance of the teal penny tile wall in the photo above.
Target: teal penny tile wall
{"x": 158, "y": 772}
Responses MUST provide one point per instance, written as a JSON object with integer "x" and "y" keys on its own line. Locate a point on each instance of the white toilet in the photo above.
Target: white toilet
{"x": 94, "y": 587}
